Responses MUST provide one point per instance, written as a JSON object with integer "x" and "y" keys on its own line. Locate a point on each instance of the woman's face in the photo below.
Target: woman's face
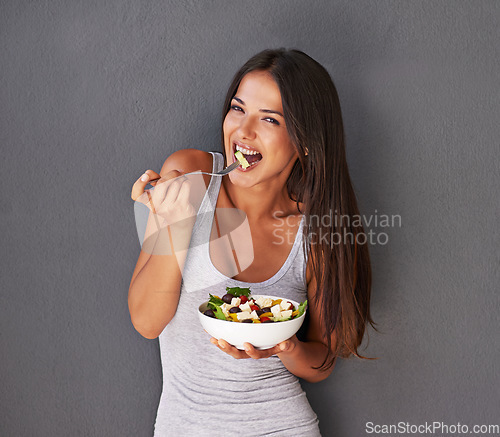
{"x": 253, "y": 124}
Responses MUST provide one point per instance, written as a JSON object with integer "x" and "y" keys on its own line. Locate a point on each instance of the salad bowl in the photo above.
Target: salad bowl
{"x": 259, "y": 335}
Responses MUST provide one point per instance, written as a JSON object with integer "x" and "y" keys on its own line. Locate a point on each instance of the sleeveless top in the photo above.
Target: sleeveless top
{"x": 207, "y": 392}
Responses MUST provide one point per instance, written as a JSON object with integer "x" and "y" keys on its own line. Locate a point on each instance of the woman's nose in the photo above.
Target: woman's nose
{"x": 246, "y": 128}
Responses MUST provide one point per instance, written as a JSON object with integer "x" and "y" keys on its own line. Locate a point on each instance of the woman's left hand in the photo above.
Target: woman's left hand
{"x": 285, "y": 347}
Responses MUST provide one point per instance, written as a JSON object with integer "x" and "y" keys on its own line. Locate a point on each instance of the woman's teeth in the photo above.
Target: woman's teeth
{"x": 246, "y": 151}
{"x": 251, "y": 156}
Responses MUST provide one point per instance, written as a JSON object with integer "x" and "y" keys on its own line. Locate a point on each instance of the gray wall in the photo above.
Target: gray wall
{"x": 94, "y": 93}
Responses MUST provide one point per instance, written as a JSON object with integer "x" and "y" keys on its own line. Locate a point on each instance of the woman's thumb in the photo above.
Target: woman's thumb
{"x": 140, "y": 184}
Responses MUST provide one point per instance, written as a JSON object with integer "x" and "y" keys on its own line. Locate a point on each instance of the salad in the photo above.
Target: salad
{"x": 237, "y": 305}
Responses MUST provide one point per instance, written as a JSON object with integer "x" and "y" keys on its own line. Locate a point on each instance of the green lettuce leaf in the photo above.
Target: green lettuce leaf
{"x": 237, "y": 291}
{"x": 302, "y": 308}
{"x": 215, "y": 300}
{"x": 217, "y": 310}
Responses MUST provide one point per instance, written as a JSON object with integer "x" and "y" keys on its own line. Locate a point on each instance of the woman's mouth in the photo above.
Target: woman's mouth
{"x": 251, "y": 155}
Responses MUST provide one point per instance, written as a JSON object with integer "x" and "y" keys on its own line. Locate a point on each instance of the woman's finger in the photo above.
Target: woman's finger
{"x": 160, "y": 191}
{"x": 173, "y": 190}
{"x": 257, "y": 354}
{"x": 140, "y": 184}
{"x": 249, "y": 352}
{"x": 163, "y": 186}
{"x": 224, "y": 346}
{"x": 184, "y": 191}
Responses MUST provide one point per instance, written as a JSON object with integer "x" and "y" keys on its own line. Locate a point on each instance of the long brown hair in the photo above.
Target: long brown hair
{"x": 320, "y": 181}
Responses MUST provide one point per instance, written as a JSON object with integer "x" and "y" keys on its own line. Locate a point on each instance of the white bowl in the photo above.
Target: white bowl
{"x": 260, "y": 335}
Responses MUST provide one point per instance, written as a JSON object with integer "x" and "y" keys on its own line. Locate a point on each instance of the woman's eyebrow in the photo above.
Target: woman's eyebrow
{"x": 267, "y": 111}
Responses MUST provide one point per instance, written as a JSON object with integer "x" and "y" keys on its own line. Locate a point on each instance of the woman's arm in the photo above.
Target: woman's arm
{"x": 299, "y": 356}
{"x": 155, "y": 286}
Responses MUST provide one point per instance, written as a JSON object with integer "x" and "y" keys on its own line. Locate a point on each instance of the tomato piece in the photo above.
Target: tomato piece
{"x": 254, "y": 307}
{"x": 243, "y": 298}
{"x": 265, "y": 319}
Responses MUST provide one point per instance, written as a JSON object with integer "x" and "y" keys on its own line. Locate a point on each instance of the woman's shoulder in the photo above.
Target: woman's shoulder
{"x": 188, "y": 160}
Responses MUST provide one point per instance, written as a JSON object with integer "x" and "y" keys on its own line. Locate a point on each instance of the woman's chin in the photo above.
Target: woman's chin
{"x": 241, "y": 179}
{"x": 244, "y": 180}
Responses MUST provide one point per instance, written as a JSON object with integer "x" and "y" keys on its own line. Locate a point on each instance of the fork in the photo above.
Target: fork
{"x": 219, "y": 173}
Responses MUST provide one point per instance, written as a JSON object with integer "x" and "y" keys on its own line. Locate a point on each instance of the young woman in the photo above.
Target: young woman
{"x": 283, "y": 110}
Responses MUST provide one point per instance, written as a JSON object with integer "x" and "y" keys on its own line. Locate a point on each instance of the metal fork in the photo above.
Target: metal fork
{"x": 219, "y": 173}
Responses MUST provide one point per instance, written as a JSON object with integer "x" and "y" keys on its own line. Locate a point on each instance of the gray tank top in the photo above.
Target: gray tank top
{"x": 207, "y": 392}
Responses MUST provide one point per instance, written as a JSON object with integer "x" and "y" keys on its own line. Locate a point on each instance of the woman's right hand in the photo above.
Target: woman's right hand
{"x": 170, "y": 199}
{"x": 141, "y": 183}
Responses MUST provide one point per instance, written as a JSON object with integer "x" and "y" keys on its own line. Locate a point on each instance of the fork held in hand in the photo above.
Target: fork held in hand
{"x": 219, "y": 173}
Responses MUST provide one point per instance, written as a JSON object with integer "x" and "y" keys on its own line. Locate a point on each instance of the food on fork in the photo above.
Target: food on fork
{"x": 244, "y": 163}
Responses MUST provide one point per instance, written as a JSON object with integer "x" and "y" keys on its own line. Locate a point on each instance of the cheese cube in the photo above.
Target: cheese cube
{"x": 245, "y": 307}
{"x": 285, "y": 305}
{"x": 254, "y": 315}
{"x": 276, "y": 310}
{"x": 286, "y": 314}
{"x": 243, "y": 315}
{"x": 264, "y": 302}
{"x": 235, "y": 301}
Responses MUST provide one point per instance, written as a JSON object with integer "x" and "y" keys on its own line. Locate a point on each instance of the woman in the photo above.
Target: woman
{"x": 283, "y": 108}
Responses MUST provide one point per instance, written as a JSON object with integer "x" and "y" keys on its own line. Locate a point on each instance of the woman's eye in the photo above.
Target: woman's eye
{"x": 272, "y": 120}
{"x": 236, "y": 108}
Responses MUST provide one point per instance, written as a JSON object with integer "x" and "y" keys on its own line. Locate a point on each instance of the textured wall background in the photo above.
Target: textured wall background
{"x": 93, "y": 93}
